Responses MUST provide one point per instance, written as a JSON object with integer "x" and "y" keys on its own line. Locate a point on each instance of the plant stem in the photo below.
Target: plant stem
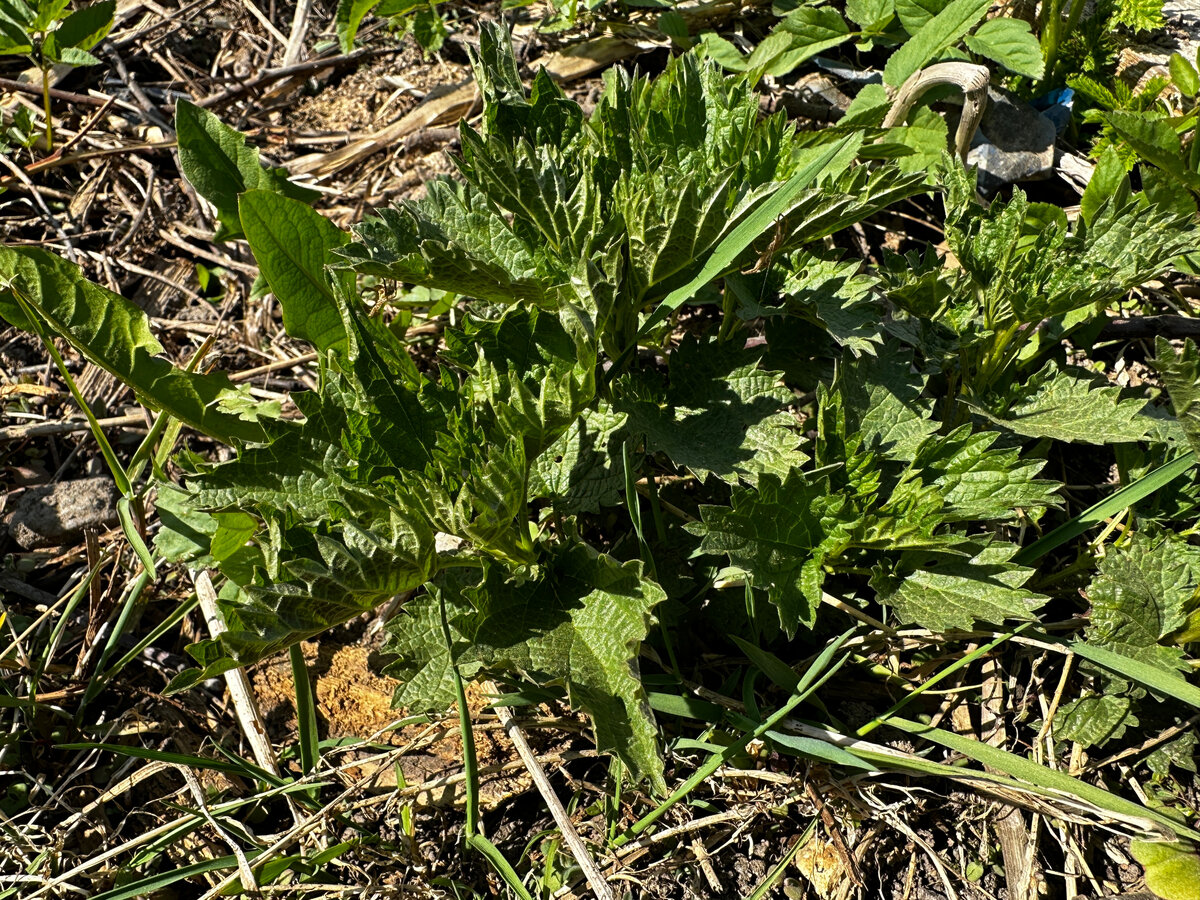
{"x": 46, "y": 108}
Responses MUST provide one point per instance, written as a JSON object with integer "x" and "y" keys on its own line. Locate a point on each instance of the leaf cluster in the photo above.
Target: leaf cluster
{"x": 647, "y": 298}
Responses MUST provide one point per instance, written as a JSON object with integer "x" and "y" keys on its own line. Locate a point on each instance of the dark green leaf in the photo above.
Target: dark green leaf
{"x": 940, "y": 32}
{"x": 952, "y": 591}
{"x": 347, "y": 17}
{"x": 1180, "y": 373}
{"x": 1140, "y": 595}
{"x": 219, "y": 164}
{"x": 115, "y": 335}
{"x": 85, "y": 28}
{"x": 1072, "y": 405}
{"x": 720, "y": 414}
{"x": 1184, "y": 74}
{"x": 292, "y": 245}
{"x": 1010, "y": 43}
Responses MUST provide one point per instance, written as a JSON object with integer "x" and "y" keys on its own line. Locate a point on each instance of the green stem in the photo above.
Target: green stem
{"x": 46, "y": 108}
{"x": 110, "y": 457}
{"x": 128, "y": 605}
{"x": 471, "y": 830}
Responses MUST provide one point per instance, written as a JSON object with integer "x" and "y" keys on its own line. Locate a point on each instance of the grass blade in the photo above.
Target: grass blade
{"x": 155, "y": 883}
{"x": 1042, "y": 778}
{"x": 778, "y": 872}
{"x": 747, "y": 231}
{"x": 306, "y": 711}
{"x": 241, "y": 769}
{"x": 1168, "y": 684}
{"x": 1109, "y": 506}
{"x": 822, "y": 669}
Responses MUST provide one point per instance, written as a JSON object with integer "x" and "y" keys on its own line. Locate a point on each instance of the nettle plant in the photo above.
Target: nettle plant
{"x": 647, "y": 301}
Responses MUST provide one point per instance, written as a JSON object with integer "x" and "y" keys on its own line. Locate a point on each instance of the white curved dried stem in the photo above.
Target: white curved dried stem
{"x": 240, "y": 691}
{"x": 245, "y": 873}
{"x": 574, "y": 843}
{"x": 969, "y": 78}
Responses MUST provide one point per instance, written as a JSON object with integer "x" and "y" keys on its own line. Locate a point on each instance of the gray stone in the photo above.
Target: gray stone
{"x": 1014, "y": 143}
{"x": 50, "y": 515}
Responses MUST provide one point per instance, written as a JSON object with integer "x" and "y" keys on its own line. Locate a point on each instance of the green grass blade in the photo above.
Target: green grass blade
{"x": 35, "y": 315}
{"x": 129, "y": 603}
{"x": 1047, "y": 781}
{"x": 777, "y": 873}
{"x": 241, "y": 769}
{"x": 159, "y": 630}
{"x": 770, "y": 665}
{"x": 155, "y": 883}
{"x": 821, "y": 670}
{"x": 1158, "y": 680}
{"x": 115, "y": 334}
{"x": 747, "y": 231}
{"x": 130, "y": 529}
{"x": 502, "y": 866}
{"x": 1109, "y": 506}
{"x": 940, "y": 676}
{"x": 306, "y": 711}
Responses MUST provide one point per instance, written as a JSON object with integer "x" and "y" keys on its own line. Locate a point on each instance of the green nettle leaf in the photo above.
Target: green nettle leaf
{"x": 479, "y": 504}
{"x": 720, "y": 414}
{"x": 830, "y": 293}
{"x": 1180, "y": 374}
{"x": 581, "y": 472}
{"x": 954, "y": 590}
{"x": 880, "y": 398}
{"x": 1155, "y": 141}
{"x": 1138, "y": 15}
{"x": 1179, "y": 752}
{"x": 292, "y": 245}
{"x": 1142, "y": 593}
{"x": 455, "y": 240}
{"x": 1095, "y": 719}
{"x": 979, "y": 483}
{"x": 85, "y": 28}
{"x": 115, "y": 335}
{"x": 334, "y": 579}
{"x": 934, "y": 36}
{"x": 218, "y": 163}
{"x": 1010, "y": 43}
{"x": 670, "y": 187}
{"x": 779, "y": 535}
{"x": 1028, "y": 263}
{"x": 1072, "y": 405}
{"x": 417, "y": 640}
{"x": 579, "y": 625}
{"x": 533, "y": 371}
{"x": 1172, "y": 870}
{"x": 1109, "y": 184}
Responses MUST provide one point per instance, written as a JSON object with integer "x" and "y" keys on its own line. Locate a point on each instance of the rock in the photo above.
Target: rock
{"x": 1014, "y": 143}
{"x": 54, "y": 514}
